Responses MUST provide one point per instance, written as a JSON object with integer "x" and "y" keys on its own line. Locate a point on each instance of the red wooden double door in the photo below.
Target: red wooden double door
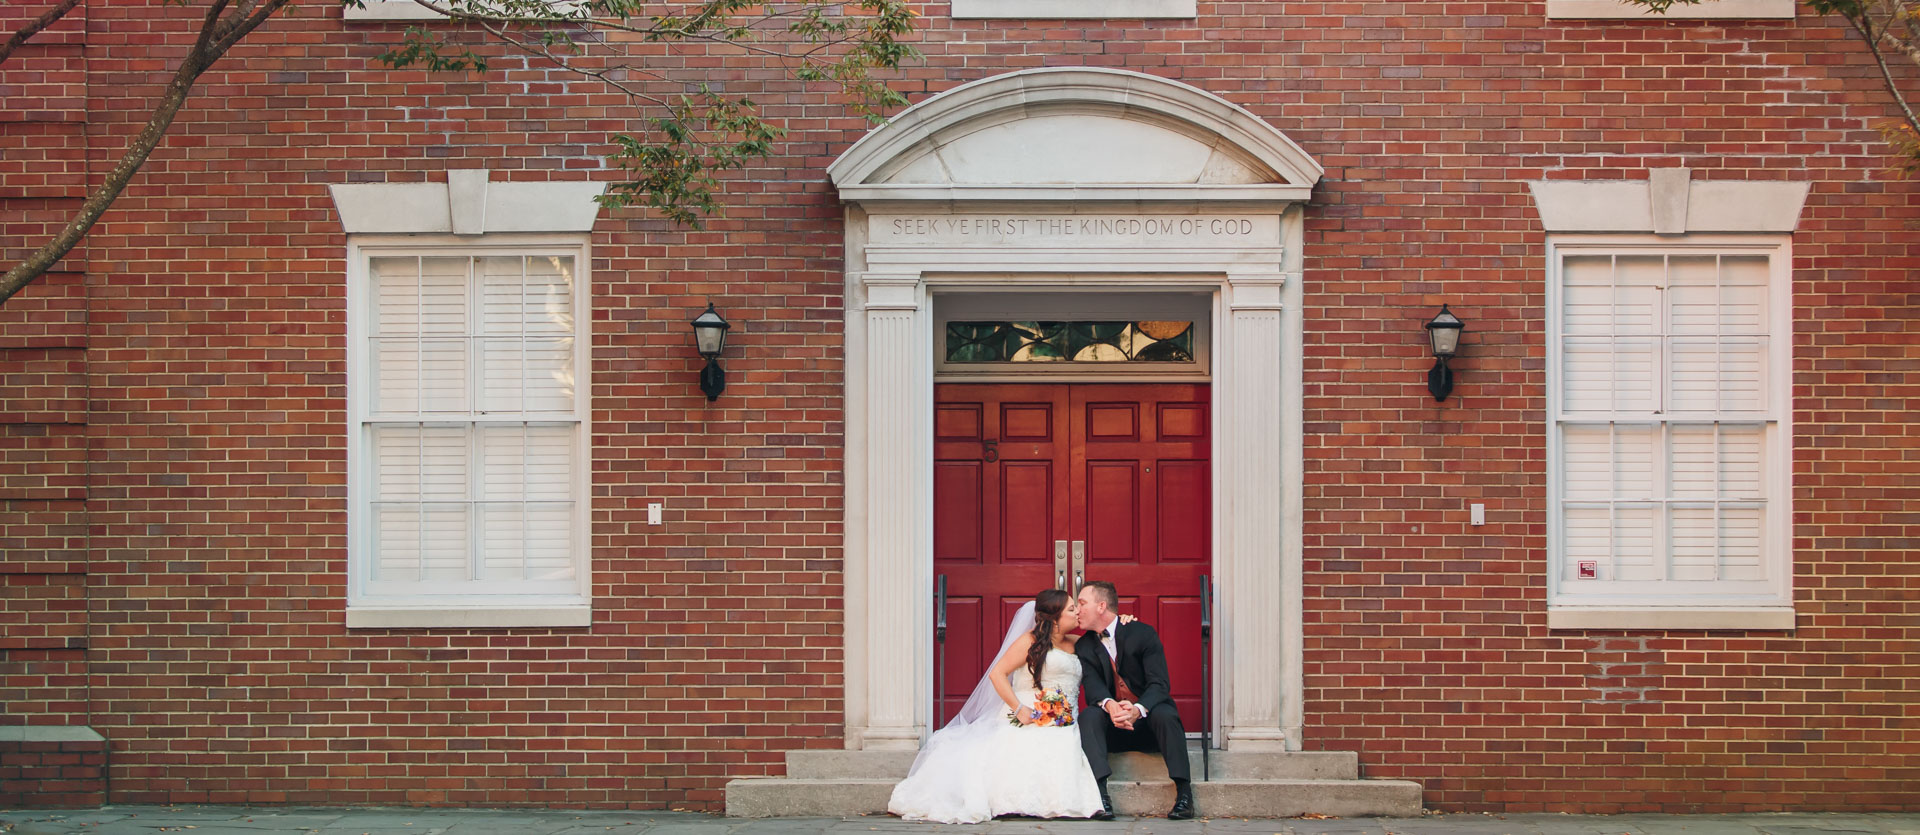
{"x": 1041, "y": 485}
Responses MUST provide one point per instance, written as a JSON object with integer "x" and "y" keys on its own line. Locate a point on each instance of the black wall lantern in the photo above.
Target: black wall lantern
{"x": 710, "y": 338}
{"x": 1444, "y": 331}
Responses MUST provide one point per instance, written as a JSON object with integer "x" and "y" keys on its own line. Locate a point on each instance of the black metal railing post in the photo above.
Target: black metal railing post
{"x": 940, "y": 644}
{"x": 1206, "y": 676}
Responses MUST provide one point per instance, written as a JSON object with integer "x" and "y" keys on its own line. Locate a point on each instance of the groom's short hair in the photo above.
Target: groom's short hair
{"x": 1107, "y": 592}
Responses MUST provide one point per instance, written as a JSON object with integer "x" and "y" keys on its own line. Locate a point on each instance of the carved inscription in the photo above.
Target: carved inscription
{"x": 1084, "y": 230}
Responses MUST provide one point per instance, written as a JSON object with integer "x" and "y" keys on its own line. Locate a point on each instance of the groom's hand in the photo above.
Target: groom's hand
{"x": 1122, "y": 714}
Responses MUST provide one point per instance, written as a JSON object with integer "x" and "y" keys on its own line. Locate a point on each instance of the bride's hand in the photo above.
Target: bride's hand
{"x": 1126, "y": 619}
{"x": 1025, "y": 715}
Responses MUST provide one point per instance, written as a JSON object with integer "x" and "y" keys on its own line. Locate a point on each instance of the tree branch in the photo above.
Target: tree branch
{"x": 206, "y": 49}
{"x": 1864, "y": 26}
{"x": 34, "y": 27}
{"x": 1906, "y": 45}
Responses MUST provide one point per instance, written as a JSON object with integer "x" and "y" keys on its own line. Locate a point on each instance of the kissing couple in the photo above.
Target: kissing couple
{"x": 1021, "y": 745}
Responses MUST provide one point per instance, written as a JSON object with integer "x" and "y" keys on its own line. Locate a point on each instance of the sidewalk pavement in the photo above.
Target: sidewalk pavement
{"x": 243, "y": 820}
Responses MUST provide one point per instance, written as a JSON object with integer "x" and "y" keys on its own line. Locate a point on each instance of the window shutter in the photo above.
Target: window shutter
{"x": 1611, "y": 325}
{"x": 1719, "y": 316}
{"x": 422, "y": 473}
{"x": 529, "y": 538}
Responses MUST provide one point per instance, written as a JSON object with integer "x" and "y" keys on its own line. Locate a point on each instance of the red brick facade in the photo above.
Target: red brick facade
{"x": 53, "y": 773}
{"x": 173, "y": 419}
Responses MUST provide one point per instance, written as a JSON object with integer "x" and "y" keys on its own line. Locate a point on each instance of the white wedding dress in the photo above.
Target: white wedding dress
{"x": 974, "y": 771}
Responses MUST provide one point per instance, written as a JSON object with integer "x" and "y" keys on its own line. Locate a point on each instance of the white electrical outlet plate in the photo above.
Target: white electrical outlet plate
{"x": 654, "y": 513}
{"x": 1479, "y": 514}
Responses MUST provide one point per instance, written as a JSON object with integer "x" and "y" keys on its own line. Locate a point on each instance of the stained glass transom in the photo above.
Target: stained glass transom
{"x": 1142, "y": 341}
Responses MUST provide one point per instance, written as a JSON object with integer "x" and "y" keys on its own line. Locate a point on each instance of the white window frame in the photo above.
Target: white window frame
{"x": 475, "y": 610}
{"x": 1627, "y": 607}
{"x": 1707, "y": 10}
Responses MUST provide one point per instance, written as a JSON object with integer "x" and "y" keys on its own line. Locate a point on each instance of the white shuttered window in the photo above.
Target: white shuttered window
{"x": 1669, "y": 438}
{"x": 469, "y": 443}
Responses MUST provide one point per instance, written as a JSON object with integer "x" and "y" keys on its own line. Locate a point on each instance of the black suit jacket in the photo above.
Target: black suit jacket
{"x": 1143, "y": 664}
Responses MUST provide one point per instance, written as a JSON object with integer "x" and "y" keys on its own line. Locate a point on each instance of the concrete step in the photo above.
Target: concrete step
{"x": 837, "y": 764}
{"x": 776, "y": 797}
{"x": 1242, "y": 765}
{"x": 1220, "y": 765}
{"x": 845, "y": 797}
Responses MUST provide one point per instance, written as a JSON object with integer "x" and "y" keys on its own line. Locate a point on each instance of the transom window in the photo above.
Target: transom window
{"x": 1149, "y": 341}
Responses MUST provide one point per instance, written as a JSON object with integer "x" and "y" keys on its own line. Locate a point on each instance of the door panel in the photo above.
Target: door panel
{"x": 959, "y": 664}
{"x": 1000, "y": 501}
{"x": 1125, "y": 468}
{"x": 1026, "y": 508}
{"x": 957, "y": 515}
{"x": 1141, "y": 496}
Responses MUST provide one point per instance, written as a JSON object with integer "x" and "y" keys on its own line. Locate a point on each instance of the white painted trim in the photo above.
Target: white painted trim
{"x": 1649, "y": 618}
{"x": 1292, "y": 614}
{"x": 1259, "y": 603}
{"x": 1709, "y": 9}
{"x": 1652, "y": 597}
{"x": 877, "y": 195}
{"x": 365, "y": 610}
{"x": 376, "y": 10}
{"x": 379, "y": 10}
{"x": 856, "y": 625}
{"x": 1134, "y": 95}
{"x": 1074, "y": 9}
{"x": 1621, "y": 206}
{"x": 470, "y": 205}
{"x": 469, "y": 617}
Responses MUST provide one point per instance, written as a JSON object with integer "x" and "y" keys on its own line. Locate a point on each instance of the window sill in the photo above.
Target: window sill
{"x": 1649, "y": 618}
{"x": 1709, "y": 10}
{"x": 1074, "y": 9}
{"x": 468, "y": 617}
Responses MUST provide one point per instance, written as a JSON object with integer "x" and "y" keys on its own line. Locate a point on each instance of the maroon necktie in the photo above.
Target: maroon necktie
{"x": 1120, "y": 689}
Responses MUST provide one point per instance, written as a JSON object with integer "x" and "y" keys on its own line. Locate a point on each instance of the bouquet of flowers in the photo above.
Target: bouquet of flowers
{"x": 1051, "y": 710}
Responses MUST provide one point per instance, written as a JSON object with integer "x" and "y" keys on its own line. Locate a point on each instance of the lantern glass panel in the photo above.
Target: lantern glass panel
{"x": 709, "y": 339}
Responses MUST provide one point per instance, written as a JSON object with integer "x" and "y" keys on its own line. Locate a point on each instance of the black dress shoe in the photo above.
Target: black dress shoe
{"x": 1106, "y": 807}
{"x": 1182, "y": 806}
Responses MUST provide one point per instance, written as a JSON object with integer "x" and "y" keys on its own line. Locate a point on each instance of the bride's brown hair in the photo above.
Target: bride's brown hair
{"x": 1047, "y": 607}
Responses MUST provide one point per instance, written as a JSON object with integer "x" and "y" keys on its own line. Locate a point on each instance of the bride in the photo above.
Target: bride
{"x": 1005, "y": 753}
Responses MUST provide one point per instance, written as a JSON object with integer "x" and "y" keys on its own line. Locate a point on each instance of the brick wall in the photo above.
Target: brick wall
{"x": 209, "y": 308}
{"x": 59, "y": 768}
{"x": 43, "y": 384}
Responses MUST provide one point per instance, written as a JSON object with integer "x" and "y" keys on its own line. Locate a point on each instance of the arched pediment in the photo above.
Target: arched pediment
{"x": 1075, "y": 134}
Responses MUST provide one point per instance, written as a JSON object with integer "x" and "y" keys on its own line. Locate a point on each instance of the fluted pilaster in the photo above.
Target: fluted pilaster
{"x": 898, "y": 544}
{"x": 1252, "y": 599}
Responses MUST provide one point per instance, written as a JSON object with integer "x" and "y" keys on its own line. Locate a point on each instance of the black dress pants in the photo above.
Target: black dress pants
{"x": 1160, "y": 731}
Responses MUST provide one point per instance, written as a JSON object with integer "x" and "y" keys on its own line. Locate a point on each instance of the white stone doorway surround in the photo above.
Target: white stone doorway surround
{"x": 1075, "y": 180}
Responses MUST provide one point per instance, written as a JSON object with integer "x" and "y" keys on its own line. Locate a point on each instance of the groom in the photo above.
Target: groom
{"x": 1129, "y": 704}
